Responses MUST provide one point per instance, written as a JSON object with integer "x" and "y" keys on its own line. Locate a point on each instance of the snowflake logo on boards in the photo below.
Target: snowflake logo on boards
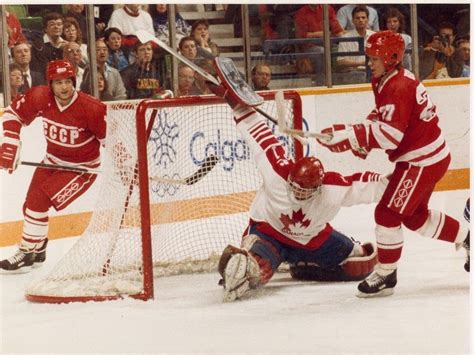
{"x": 162, "y": 138}
{"x": 297, "y": 220}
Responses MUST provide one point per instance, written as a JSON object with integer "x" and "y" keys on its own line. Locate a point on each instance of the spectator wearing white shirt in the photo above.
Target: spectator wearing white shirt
{"x": 344, "y": 16}
{"x": 129, "y": 19}
{"x": 360, "y": 18}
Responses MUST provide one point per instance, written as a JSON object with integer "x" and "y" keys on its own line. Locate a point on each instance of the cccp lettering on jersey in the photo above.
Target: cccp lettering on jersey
{"x": 61, "y": 135}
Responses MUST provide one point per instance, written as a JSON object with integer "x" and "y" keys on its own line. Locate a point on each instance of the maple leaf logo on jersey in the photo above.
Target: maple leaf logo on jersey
{"x": 297, "y": 220}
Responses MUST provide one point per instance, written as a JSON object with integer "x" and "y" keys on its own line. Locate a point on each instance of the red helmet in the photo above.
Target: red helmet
{"x": 306, "y": 176}
{"x": 387, "y": 45}
{"x": 60, "y": 69}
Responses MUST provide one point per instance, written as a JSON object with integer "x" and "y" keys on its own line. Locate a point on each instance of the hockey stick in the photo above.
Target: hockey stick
{"x": 202, "y": 171}
{"x": 61, "y": 167}
{"x": 145, "y": 37}
{"x": 281, "y": 117}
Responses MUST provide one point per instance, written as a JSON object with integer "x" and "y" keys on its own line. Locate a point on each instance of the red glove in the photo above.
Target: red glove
{"x": 347, "y": 137}
{"x": 10, "y": 152}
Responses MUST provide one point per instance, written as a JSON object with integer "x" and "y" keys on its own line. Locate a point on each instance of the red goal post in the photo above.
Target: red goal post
{"x": 148, "y": 221}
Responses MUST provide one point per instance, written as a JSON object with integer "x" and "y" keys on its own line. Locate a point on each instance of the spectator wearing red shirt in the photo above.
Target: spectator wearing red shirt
{"x": 14, "y": 30}
{"x": 309, "y": 24}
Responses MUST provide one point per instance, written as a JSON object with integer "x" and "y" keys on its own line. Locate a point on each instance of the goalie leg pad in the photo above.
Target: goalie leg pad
{"x": 240, "y": 272}
{"x": 354, "y": 268}
{"x": 360, "y": 266}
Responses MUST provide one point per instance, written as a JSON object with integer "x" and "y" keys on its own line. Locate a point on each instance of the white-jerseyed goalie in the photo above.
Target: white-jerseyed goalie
{"x": 290, "y": 215}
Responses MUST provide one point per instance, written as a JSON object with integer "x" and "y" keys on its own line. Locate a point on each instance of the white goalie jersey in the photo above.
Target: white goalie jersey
{"x": 302, "y": 224}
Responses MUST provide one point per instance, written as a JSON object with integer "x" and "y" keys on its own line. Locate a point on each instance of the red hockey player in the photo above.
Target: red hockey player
{"x": 74, "y": 128}
{"x": 290, "y": 215}
{"x": 404, "y": 123}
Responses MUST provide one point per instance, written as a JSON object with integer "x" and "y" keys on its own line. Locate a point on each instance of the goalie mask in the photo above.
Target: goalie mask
{"x": 387, "y": 45}
{"x": 305, "y": 178}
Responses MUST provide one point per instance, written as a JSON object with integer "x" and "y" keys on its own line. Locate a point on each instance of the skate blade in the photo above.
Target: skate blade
{"x": 37, "y": 265}
{"x": 384, "y": 293}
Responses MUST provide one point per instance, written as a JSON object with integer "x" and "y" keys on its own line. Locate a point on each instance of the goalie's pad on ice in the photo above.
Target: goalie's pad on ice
{"x": 239, "y": 271}
{"x": 354, "y": 268}
{"x": 236, "y": 86}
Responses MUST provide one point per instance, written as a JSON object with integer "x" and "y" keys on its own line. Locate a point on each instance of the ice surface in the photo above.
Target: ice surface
{"x": 429, "y": 312}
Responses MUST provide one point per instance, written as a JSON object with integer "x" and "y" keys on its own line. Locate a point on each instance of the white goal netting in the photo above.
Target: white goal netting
{"x": 190, "y": 224}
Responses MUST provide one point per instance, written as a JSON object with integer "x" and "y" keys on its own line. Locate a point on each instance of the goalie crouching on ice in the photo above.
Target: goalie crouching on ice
{"x": 289, "y": 217}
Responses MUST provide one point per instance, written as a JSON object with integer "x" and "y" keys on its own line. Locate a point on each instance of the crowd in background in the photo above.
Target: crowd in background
{"x": 129, "y": 69}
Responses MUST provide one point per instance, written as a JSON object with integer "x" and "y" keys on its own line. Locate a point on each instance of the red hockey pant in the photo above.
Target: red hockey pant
{"x": 405, "y": 201}
{"x": 50, "y": 188}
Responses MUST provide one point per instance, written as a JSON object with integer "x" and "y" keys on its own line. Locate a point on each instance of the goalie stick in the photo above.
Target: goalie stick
{"x": 202, "y": 171}
{"x": 145, "y": 37}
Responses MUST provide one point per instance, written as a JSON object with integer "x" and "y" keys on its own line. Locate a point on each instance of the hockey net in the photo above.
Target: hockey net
{"x": 143, "y": 227}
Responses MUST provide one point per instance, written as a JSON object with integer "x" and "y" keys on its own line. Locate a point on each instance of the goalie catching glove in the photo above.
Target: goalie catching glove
{"x": 233, "y": 88}
{"x": 343, "y": 137}
{"x": 10, "y": 152}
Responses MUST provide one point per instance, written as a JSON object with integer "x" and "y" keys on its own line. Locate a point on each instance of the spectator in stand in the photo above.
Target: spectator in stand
{"x": 261, "y": 76}
{"x": 200, "y": 32}
{"x": 16, "y": 81}
{"x": 129, "y": 19}
{"x": 355, "y": 64}
{"x": 200, "y": 86}
{"x": 458, "y": 64}
{"x": 435, "y": 54}
{"x": 344, "y": 16}
{"x": 14, "y": 30}
{"x": 277, "y": 22}
{"x": 185, "y": 80}
{"x": 188, "y": 47}
{"x": 395, "y": 21}
{"x": 21, "y": 54}
{"x": 76, "y": 11}
{"x": 48, "y": 47}
{"x": 72, "y": 53}
{"x": 118, "y": 55}
{"x": 73, "y": 33}
{"x": 101, "y": 84}
{"x": 309, "y": 24}
{"x": 145, "y": 77}
{"x": 159, "y": 15}
{"x": 114, "y": 88}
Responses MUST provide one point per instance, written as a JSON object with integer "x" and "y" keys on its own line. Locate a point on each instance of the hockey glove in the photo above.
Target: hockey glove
{"x": 10, "y": 152}
{"x": 346, "y": 137}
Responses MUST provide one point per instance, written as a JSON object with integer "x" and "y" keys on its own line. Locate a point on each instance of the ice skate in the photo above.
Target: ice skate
{"x": 40, "y": 255}
{"x": 19, "y": 263}
{"x": 467, "y": 245}
{"x": 378, "y": 284}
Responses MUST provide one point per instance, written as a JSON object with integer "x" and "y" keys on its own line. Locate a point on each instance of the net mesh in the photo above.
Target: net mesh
{"x": 190, "y": 224}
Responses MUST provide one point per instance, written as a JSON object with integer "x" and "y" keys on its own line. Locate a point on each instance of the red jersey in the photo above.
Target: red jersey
{"x": 405, "y": 121}
{"x": 73, "y": 133}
